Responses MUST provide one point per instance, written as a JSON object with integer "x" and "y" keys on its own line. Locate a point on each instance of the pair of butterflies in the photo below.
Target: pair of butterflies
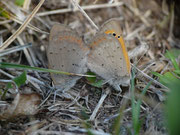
{"x": 105, "y": 55}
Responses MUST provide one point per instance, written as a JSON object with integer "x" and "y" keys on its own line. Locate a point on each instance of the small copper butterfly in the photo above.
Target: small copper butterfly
{"x": 66, "y": 52}
{"x": 108, "y": 56}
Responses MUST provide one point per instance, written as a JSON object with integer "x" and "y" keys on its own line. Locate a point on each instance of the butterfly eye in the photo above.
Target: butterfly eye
{"x": 118, "y": 36}
{"x": 114, "y": 34}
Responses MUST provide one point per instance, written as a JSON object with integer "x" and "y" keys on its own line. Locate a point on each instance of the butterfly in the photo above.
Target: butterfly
{"x": 108, "y": 56}
{"x": 66, "y": 52}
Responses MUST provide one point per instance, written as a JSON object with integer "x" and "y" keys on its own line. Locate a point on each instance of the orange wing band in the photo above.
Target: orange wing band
{"x": 121, "y": 40}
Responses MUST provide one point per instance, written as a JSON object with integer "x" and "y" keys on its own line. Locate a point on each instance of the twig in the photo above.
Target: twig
{"x": 171, "y": 35}
{"x": 89, "y": 7}
{"x": 139, "y": 50}
{"x": 138, "y": 14}
{"x": 11, "y": 81}
{"x": 132, "y": 34}
{"x": 29, "y": 79}
{"x": 26, "y": 4}
{"x": 5, "y": 21}
{"x": 14, "y": 18}
{"x": 93, "y": 115}
{"x": 21, "y": 42}
{"x": 84, "y": 13}
{"x": 171, "y": 22}
{"x": 150, "y": 78}
{"x": 14, "y": 49}
{"x": 7, "y": 74}
{"x": 116, "y": 115}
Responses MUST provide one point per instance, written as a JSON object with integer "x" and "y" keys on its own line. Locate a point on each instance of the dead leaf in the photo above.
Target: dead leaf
{"x": 23, "y": 104}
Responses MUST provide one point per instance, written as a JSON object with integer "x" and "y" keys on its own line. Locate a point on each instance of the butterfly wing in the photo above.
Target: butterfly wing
{"x": 58, "y": 27}
{"x": 112, "y": 27}
{"x": 66, "y": 52}
{"x": 106, "y": 59}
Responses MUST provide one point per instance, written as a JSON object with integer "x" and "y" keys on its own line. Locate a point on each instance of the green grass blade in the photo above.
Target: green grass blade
{"x": 133, "y": 105}
{"x": 177, "y": 72}
{"x": 9, "y": 85}
{"x": 174, "y": 51}
{"x": 117, "y": 124}
{"x": 172, "y": 108}
{"x": 20, "y": 80}
{"x": 4, "y": 13}
{"x": 18, "y": 66}
{"x": 94, "y": 81}
{"x": 173, "y": 60}
{"x": 136, "y": 106}
{"x": 166, "y": 78}
{"x": 19, "y": 2}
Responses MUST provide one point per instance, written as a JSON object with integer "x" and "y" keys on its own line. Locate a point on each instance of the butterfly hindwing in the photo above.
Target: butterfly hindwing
{"x": 66, "y": 52}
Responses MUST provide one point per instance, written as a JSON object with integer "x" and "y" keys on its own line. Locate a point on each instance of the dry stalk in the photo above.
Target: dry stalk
{"x": 84, "y": 13}
{"x": 89, "y": 7}
{"x": 93, "y": 115}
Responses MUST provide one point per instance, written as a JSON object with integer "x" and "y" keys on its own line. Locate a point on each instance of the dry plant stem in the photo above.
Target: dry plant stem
{"x": 45, "y": 132}
{"x": 93, "y": 115}
{"x": 33, "y": 79}
{"x": 96, "y": 132}
{"x": 171, "y": 23}
{"x": 29, "y": 79}
{"x": 84, "y": 13}
{"x": 45, "y": 99}
{"x": 5, "y": 22}
{"x": 138, "y": 51}
{"x": 43, "y": 22}
{"x": 22, "y": 27}
{"x": 150, "y": 35}
{"x": 19, "y": 19}
{"x": 95, "y": 1}
{"x": 127, "y": 96}
{"x": 148, "y": 77}
{"x": 21, "y": 42}
{"x": 137, "y": 13}
{"x": 134, "y": 33}
{"x": 35, "y": 82}
{"x": 1, "y": 39}
{"x": 170, "y": 37}
{"x": 42, "y": 129}
{"x": 6, "y": 74}
{"x": 14, "y": 49}
{"x": 148, "y": 66}
{"x": 89, "y": 7}
{"x": 11, "y": 81}
{"x": 116, "y": 115}
{"x": 26, "y": 4}
{"x": 14, "y": 18}
{"x": 35, "y": 126}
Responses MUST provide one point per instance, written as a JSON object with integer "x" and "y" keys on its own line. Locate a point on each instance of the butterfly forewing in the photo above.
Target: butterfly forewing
{"x": 113, "y": 27}
{"x": 59, "y": 28}
{"x": 105, "y": 58}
